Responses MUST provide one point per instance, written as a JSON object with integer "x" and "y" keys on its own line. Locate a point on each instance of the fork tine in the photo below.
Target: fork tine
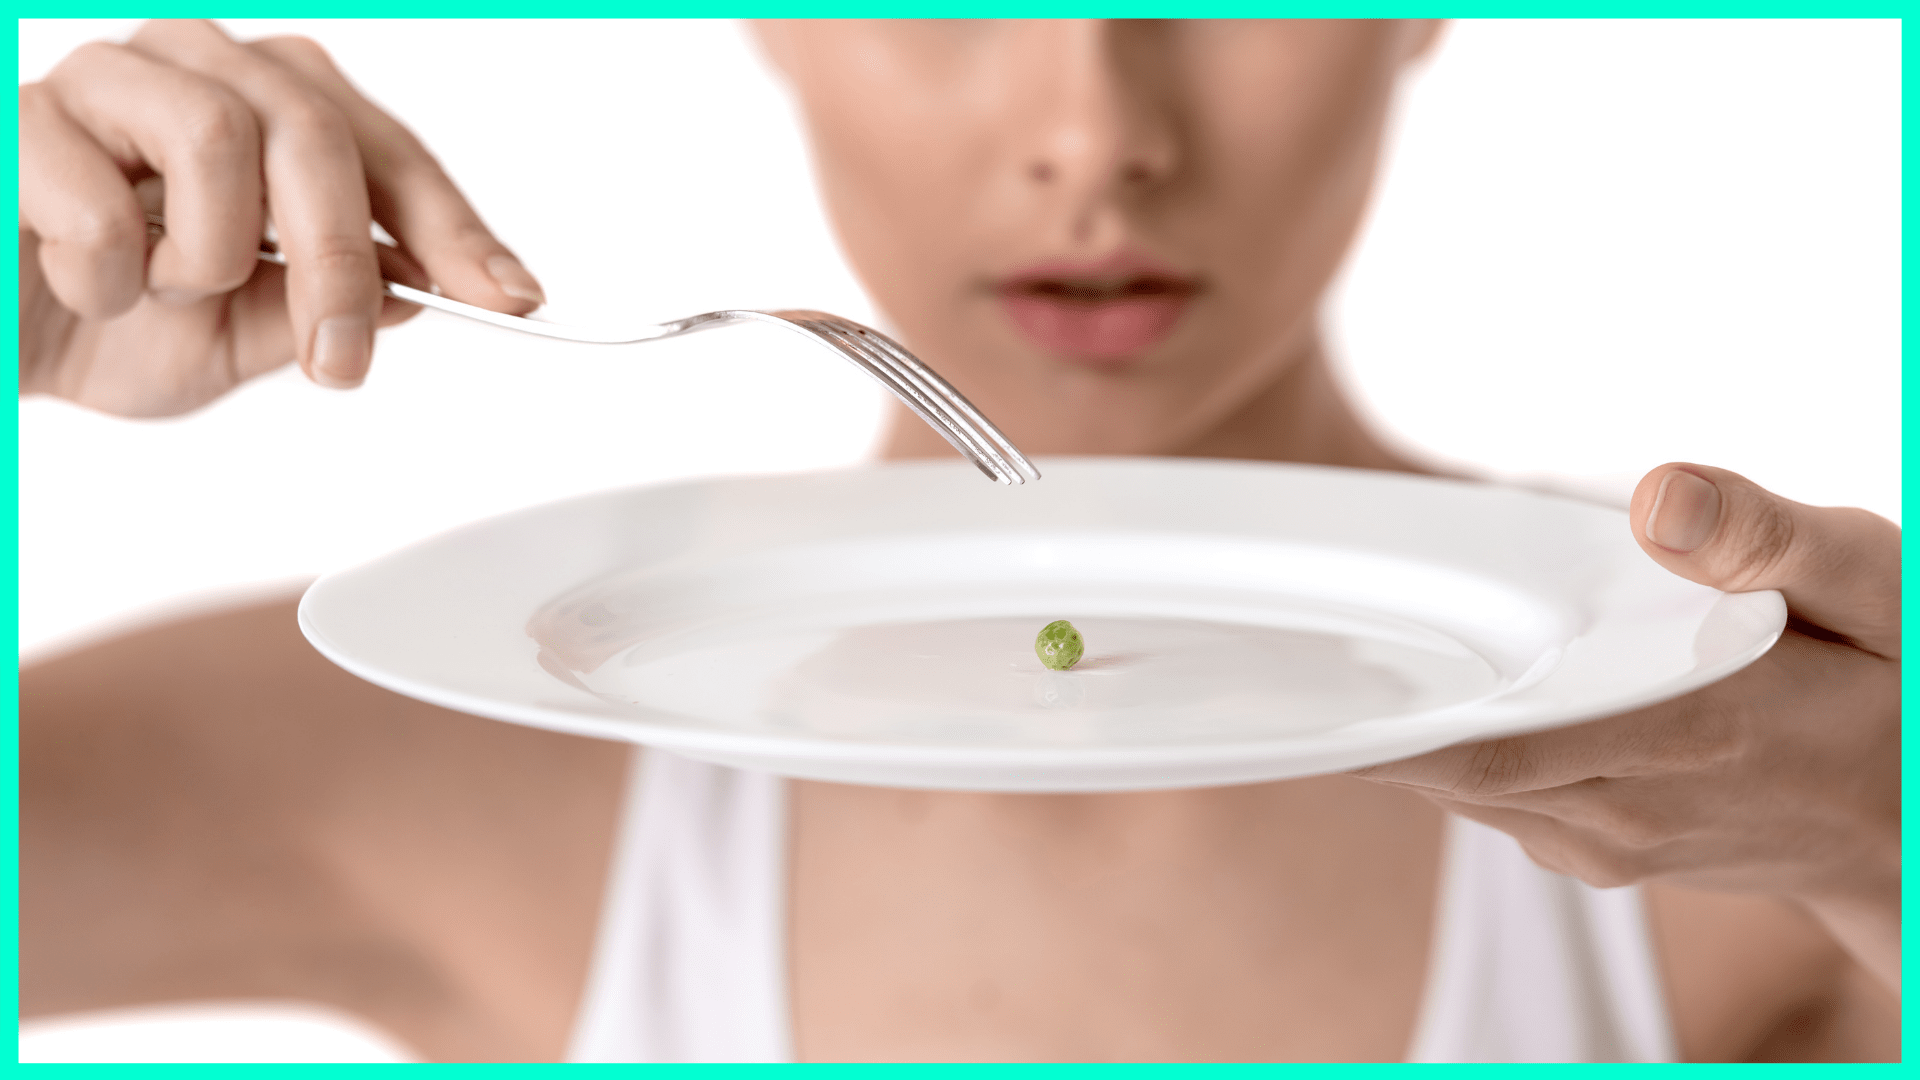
{"x": 914, "y": 394}
{"x": 978, "y": 444}
{"x": 924, "y": 399}
{"x": 1011, "y": 465}
{"x": 1009, "y": 453}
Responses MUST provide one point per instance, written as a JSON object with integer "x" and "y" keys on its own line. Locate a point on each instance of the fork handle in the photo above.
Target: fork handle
{"x": 270, "y": 252}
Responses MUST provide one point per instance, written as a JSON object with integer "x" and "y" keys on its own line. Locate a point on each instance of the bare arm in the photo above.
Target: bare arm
{"x": 210, "y": 810}
{"x": 1756, "y": 978}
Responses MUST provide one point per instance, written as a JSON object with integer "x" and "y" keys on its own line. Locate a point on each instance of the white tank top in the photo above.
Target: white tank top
{"x": 690, "y": 964}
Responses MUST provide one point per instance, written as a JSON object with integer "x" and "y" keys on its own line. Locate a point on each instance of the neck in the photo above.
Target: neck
{"x": 1301, "y": 415}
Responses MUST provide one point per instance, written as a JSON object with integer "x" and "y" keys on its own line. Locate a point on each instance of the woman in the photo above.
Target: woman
{"x": 1114, "y": 238}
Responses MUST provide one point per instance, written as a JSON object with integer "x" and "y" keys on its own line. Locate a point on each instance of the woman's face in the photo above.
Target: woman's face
{"x": 1110, "y": 235}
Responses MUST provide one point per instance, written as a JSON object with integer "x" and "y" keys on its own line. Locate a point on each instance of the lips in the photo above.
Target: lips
{"x": 1101, "y": 312}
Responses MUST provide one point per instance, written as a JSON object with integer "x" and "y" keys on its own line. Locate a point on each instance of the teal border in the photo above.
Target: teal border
{"x": 9, "y": 941}
{"x": 854, "y": 9}
{"x": 11, "y": 631}
{"x": 1908, "y": 698}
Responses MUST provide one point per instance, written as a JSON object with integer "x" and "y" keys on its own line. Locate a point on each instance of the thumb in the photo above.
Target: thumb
{"x": 1838, "y": 568}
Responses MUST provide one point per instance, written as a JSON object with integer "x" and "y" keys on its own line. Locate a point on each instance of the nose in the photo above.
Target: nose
{"x": 1102, "y": 129}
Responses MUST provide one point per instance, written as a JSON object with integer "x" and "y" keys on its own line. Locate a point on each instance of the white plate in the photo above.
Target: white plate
{"x": 1243, "y": 621}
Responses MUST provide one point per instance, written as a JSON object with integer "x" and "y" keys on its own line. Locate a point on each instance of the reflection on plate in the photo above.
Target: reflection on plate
{"x": 1243, "y": 621}
{"x": 976, "y": 681}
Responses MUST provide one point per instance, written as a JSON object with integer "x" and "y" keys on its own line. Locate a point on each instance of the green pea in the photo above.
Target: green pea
{"x": 1059, "y": 645}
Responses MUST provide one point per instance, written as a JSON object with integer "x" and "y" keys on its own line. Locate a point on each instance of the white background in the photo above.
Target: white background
{"x": 1596, "y": 247}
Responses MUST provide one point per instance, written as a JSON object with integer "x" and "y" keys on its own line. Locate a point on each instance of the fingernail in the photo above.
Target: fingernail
{"x": 342, "y": 351}
{"x": 513, "y": 279}
{"x": 1685, "y": 512}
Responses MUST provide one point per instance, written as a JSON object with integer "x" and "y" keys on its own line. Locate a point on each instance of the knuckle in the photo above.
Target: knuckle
{"x": 92, "y": 55}
{"x": 1712, "y": 733}
{"x": 100, "y": 230}
{"x": 87, "y": 65}
{"x": 309, "y": 113}
{"x": 39, "y": 119}
{"x": 1757, "y": 543}
{"x": 1496, "y": 768}
{"x": 299, "y": 50}
{"x": 165, "y": 28}
{"x": 215, "y": 125}
{"x": 178, "y": 40}
{"x": 340, "y": 255}
{"x": 1635, "y": 826}
{"x": 1715, "y": 735}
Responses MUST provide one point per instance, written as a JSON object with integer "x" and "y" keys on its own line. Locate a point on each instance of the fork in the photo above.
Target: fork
{"x": 922, "y": 389}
